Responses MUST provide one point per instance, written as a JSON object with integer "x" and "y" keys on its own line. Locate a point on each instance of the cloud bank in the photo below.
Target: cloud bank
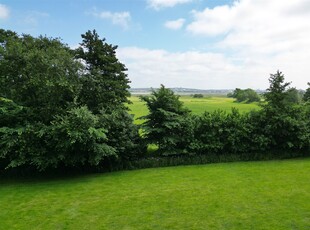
{"x": 264, "y": 26}
{"x": 150, "y": 68}
{"x": 253, "y": 39}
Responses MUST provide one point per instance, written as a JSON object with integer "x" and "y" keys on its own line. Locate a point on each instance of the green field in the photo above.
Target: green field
{"x": 252, "y": 195}
{"x": 196, "y": 105}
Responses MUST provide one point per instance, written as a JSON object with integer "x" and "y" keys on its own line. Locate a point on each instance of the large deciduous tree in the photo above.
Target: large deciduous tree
{"x": 37, "y": 73}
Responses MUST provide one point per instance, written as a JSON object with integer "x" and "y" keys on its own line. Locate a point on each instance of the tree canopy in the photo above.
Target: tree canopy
{"x": 38, "y": 74}
{"x": 67, "y": 108}
{"x": 307, "y": 93}
{"x": 246, "y": 95}
{"x": 104, "y": 81}
{"x": 63, "y": 107}
{"x": 165, "y": 121}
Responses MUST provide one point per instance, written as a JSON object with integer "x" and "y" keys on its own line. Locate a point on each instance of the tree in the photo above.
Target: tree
{"x": 37, "y": 73}
{"x": 252, "y": 96}
{"x": 39, "y": 82}
{"x": 122, "y": 133}
{"x": 276, "y": 93}
{"x": 307, "y": 93}
{"x": 104, "y": 81}
{"x": 284, "y": 123}
{"x": 247, "y": 95}
{"x": 198, "y": 95}
{"x": 293, "y": 96}
{"x": 85, "y": 138}
{"x": 166, "y": 122}
{"x": 105, "y": 91}
{"x": 47, "y": 115}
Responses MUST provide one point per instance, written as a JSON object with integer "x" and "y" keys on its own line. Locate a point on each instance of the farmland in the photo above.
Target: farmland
{"x": 196, "y": 105}
{"x": 252, "y": 195}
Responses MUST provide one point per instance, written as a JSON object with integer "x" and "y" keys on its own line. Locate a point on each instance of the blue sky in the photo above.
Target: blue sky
{"x": 182, "y": 43}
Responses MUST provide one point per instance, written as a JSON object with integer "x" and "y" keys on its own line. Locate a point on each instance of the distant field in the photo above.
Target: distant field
{"x": 196, "y": 105}
{"x": 253, "y": 195}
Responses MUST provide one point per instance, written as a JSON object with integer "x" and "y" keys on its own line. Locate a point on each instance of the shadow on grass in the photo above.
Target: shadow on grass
{"x": 31, "y": 175}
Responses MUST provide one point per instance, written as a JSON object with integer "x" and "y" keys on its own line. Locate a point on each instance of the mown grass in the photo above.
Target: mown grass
{"x": 252, "y": 195}
{"x": 196, "y": 105}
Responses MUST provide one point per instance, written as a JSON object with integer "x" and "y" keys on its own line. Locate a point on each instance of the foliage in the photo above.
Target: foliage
{"x": 281, "y": 125}
{"x": 220, "y": 132}
{"x": 246, "y": 95}
{"x": 12, "y": 114}
{"x": 284, "y": 131}
{"x": 284, "y": 123}
{"x": 198, "y": 95}
{"x": 122, "y": 134}
{"x": 60, "y": 107}
{"x": 73, "y": 140}
{"x": 293, "y": 96}
{"x": 276, "y": 93}
{"x": 165, "y": 124}
{"x": 37, "y": 73}
{"x": 86, "y": 139}
{"x": 307, "y": 93}
{"x": 104, "y": 82}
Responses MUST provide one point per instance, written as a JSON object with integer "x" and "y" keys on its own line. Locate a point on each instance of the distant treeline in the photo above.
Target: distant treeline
{"x": 249, "y": 95}
{"x": 63, "y": 108}
{"x": 246, "y": 95}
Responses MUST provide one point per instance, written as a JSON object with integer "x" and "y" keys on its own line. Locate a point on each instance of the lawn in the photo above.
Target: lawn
{"x": 196, "y": 105}
{"x": 246, "y": 195}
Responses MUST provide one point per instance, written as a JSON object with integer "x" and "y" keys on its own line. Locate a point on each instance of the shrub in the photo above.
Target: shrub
{"x": 220, "y": 132}
{"x": 246, "y": 95}
{"x": 166, "y": 124}
{"x": 199, "y": 95}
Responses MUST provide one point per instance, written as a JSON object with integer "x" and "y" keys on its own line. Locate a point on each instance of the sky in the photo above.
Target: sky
{"x": 202, "y": 44}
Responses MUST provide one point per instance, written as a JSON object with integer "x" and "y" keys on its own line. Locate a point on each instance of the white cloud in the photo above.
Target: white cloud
{"x": 207, "y": 70}
{"x": 4, "y": 11}
{"x": 262, "y": 26}
{"x": 150, "y": 68}
{"x": 159, "y": 4}
{"x": 175, "y": 24}
{"x": 263, "y": 35}
{"x": 212, "y": 21}
{"x": 118, "y": 18}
